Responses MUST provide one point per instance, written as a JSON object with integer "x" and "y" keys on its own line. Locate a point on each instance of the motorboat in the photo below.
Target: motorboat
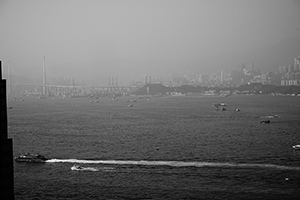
{"x": 222, "y": 105}
{"x": 76, "y": 167}
{"x": 28, "y": 157}
{"x": 265, "y": 122}
{"x": 79, "y": 168}
{"x": 296, "y": 147}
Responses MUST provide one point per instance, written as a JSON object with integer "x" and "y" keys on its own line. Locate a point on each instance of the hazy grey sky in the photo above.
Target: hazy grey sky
{"x": 99, "y": 31}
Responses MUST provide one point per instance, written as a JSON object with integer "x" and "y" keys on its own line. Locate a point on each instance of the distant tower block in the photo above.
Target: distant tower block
{"x": 146, "y": 80}
{"x": 221, "y": 76}
{"x": 284, "y": 69}
{"x": 296, "y": 64}
{"x": 243, "y": 66}
{"x": 6, "y": 150}
{"x": 290, "y": 68}
{"x": 150, "y": 79}
{"x": 280, "y": 70}
{"x": 116, "y": 81}
{"x": 108, "y": 81}
{"x": 252, "y": 66}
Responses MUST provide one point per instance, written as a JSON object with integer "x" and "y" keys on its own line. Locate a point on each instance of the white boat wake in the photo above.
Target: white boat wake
{"x": 175, "y": 163}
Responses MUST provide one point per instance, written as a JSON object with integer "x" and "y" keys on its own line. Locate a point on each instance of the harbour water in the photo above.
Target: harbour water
{"x": 160, "y": 148}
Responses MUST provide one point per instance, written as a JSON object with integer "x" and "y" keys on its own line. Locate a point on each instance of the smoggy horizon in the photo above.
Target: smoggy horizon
{"x": 135, "y": 38}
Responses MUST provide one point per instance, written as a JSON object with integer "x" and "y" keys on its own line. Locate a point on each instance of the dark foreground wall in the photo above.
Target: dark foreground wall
{"x": 6, "y": 148}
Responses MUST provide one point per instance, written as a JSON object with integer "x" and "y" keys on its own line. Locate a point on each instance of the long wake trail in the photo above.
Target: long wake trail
{"x": 175, "y": 163}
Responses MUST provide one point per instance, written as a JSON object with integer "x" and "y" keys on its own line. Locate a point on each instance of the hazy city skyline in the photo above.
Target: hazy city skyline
{"x": 132, "y": 38}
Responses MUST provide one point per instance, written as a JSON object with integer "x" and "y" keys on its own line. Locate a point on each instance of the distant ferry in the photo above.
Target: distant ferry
{"x": 27, "y": 157}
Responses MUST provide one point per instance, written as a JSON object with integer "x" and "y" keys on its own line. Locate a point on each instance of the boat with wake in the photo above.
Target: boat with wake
{"x": 296, "y": 147}
{"x": 79, "y": 168}
{"x": 28, "y": 157}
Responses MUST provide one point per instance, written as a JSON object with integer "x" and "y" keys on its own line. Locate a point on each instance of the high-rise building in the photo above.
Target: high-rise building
{"x": 296, "y": 64}
{"x": 222, "y": 75}
{"x": 243, "y": 67}
{"x": 290, "y": 69}
{"x": 297, "y": 76}
{"x": 252, "y": 66}
{"x": 284, "y": 69}
{"x": 281, "y": 70}
{"x": 6, "y": 150}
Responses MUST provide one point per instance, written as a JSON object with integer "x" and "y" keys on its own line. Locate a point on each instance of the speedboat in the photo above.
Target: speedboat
{"x": 296, "y": 147}
{"x": 28, "y": 157}
{"x": 76, "y": 167}
{"x": 79, "y": 168}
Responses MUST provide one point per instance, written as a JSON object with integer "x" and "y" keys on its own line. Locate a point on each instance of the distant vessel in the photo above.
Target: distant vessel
{"x": 217, "y": 105}
{"x": 27, "y": 157}
{"x": 76, "y": 167}
{"x": 79, "y": 168}
{"x": 296, "y": 147}
{"x": 265, "y": 122}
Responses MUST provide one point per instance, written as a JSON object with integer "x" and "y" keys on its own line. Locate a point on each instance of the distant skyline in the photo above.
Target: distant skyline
{"x": 106, "y": 38}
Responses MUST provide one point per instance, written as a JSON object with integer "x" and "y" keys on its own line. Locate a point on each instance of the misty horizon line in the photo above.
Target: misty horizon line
{"x": 165, "y": 66}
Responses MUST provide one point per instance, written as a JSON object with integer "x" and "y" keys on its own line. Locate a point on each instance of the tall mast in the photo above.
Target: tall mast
{"x": 44, "y": 77}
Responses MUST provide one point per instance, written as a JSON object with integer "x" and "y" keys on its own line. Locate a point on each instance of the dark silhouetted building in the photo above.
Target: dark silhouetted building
{"x": 6, "y": 148}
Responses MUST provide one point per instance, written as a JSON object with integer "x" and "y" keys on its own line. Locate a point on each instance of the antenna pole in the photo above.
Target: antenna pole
{"x": 44, "y": 77}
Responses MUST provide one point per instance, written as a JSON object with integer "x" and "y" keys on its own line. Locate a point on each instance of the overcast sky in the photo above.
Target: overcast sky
{"x": 90, "y": 32}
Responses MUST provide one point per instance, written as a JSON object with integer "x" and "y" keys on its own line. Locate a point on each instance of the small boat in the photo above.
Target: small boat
{"x": 28, "y": 157}
{"x": 296, "y": 147}
{"x": 222, "y": 105}
{"x": 79, "y": 168}
{"x": 265, "y": 122}
{"x": 76, "y": 167}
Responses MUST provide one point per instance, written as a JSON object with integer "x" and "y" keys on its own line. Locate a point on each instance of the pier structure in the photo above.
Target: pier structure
{"x": 6, "y": 150}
